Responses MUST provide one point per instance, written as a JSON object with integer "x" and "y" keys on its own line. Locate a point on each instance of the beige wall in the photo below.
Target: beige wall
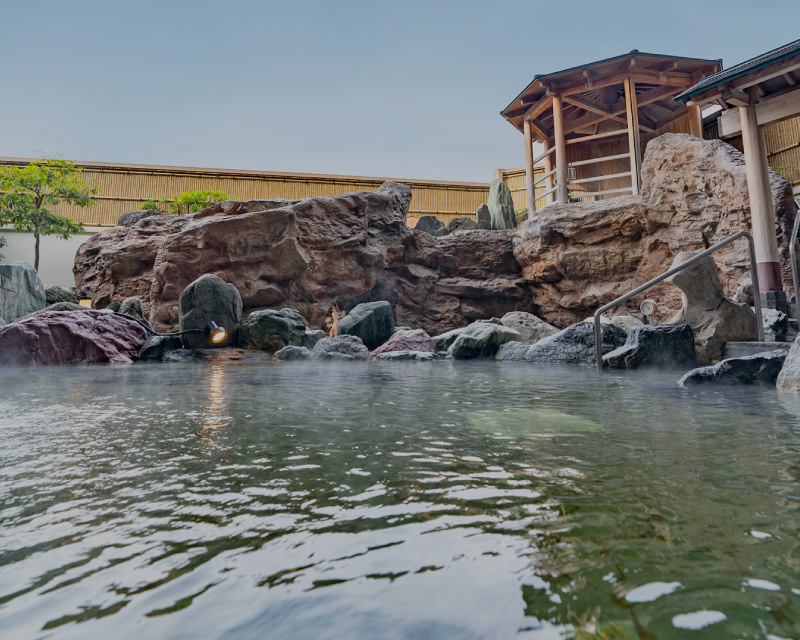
{"x": 56, "y": 256}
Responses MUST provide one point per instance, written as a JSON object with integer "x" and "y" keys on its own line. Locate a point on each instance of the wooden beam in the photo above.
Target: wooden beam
{"x": 789, "y": 79}
{"x": 696, "y": 122}
{"x": 561, "y": 149}
{"x": 634, "y": 141}
{"x": 548, "y": 167}
{"x": 736, "y": 97}
{"x": 531, "y": 202}
{"x": 540, "y": 133}
{"x": 671, "y": 78}
{"x": 539, "y": 108}
{"x": 766, "y": 112}
{"x": 593, "y": 107}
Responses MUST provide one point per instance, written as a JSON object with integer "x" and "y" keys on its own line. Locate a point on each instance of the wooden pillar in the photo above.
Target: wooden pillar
{"x": 762, "y": 214}
{"x": 696, "y": 122}
{"x": 548, "y": 167}
{"x": 634, "y": 140}
{"x": 561, "y": 150}
{"x": 529, "y": 190}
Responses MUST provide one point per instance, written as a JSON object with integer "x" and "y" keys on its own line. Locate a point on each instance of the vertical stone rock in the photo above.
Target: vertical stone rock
{"x": 209, "y": 298}
{"x": 483, "y": 218}
{"x": 21, "y": 291}
{"x": 501, "y": 206}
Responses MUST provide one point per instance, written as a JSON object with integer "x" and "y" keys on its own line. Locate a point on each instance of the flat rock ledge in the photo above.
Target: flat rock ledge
{"x": 759, "y": 368}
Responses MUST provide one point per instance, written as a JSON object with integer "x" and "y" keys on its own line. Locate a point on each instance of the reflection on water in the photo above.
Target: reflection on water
{"x": 405, "y": 500}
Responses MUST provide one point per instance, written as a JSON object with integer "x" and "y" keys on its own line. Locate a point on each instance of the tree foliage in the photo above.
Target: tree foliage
{"x": 27, "y": 194}
{"x": 186, "y": 202}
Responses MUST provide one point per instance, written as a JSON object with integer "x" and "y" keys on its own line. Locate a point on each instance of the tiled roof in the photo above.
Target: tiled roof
{"x": 743, "y": 68}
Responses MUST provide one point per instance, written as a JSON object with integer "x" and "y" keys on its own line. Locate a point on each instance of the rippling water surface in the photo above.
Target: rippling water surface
{"x": 410, "y": 500}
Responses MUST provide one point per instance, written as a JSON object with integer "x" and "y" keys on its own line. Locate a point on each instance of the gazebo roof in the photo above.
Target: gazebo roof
{"x": 658, "y": 79}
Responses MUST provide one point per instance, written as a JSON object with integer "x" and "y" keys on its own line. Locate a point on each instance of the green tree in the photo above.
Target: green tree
{"x": 27, "y": 193}
{"x": 187, "y": 202}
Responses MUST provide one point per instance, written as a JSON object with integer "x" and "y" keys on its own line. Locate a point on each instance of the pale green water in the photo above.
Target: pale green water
{"x": 414, "y": 500}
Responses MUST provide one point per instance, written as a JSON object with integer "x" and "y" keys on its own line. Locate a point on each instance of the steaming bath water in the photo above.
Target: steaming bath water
{"x": 379, "y": 500}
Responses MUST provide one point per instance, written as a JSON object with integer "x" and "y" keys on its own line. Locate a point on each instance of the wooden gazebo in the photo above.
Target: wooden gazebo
{"x": 755, "y": 93}
{"x": 595, "y": 120}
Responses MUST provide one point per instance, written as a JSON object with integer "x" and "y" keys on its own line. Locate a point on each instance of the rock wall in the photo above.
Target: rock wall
{"x": 317, "y": 254}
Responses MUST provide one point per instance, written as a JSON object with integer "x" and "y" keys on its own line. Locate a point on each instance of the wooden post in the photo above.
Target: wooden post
{"x": 529, "y": 189}
{"x": 634, "y": 141}
{"x": 561, "y": 150}
{"x": 762, "y": 214}
{"x": 696, "y": 122}
{"x": 548, "y": 167}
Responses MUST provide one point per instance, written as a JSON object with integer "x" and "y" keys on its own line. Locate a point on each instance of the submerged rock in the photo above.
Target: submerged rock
{"x": 654, "y": 346}
{"x": 373, "y": 322}
{"x": 759, "y": 368}
{"x": 424, "y": 356}
{"x": 415, "y": 340}
{"x": 271, "y": 330}
{"x": 481, "y": 340}
{"x": 344, "y": 347}
{"x": 292, "y": 352}
{"x": 789, "y": 377}
{"x": 530, "y": 328}
{"x": 67, "y": 337}
{"x": 574, "y": 344}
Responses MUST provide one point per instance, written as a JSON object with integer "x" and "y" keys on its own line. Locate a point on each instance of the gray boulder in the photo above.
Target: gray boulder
{"x": 373, "y": 322}
{"x": 292, "y": 352}
{"x": 57, "y": 293}
{"x": 760, "y": 368}
{"x": 271, "y": 330}
{"x": 431, "y": 225}
{"x": 461, "y": 224}
{"x": 130, "y": 218}
{"x": 21, "y": 291}
{"x": 207, "y": 299}
{"x": 530, "y": 328}
{"x": 444, "y": 340}
{"x": 575, "y": 344}
{"x": 744, "y": 295}
{"x": 157, "y": 347}
{"x": 714, "y": 319}
{"x": 483, "y": 218}
{"x": 789, "y": 377}
{"x": 501, "y": 206}
{"x": 415, "y": 340}
{"x": 310, "y": 338}
{"x": 776, "y": 324}
{"x": 344, "y": 347}
{"x": 654, "y": 346}
{"x": 133, "y": 307}
{"x": 481, "y": 340}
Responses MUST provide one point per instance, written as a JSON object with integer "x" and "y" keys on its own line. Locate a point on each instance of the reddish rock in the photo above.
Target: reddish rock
{"x": 407, "y": 340}
{"x": 71, "y": 337}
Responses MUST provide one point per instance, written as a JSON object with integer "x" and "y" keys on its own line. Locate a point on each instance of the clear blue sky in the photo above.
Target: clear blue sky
{"x": 406, "y": 89}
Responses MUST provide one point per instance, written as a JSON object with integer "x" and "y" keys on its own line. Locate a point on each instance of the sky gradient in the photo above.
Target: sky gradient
{"x": 397, "y": 89}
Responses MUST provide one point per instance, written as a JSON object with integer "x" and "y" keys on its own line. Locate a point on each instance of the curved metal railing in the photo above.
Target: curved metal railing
{"x": 793, "y": 258}
{"x": 598, "y": 339}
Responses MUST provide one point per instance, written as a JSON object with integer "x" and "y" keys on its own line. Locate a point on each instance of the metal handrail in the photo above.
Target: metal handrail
{"x": 793, "y": 258}
{"x": 598, "y": 340}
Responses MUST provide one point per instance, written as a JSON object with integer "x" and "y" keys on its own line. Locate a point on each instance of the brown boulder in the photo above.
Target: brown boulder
{"x": 71, "y": 337}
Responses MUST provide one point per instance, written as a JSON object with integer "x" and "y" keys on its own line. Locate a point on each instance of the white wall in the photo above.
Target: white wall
{"x": 56, "y": 256}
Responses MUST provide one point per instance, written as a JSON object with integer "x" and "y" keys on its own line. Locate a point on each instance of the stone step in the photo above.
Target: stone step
{"x": 740, "y": 349}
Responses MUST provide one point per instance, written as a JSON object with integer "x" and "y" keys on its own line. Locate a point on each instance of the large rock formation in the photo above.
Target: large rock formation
{"x": 317, "y": 254}
{"x": 309, "y": 255}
